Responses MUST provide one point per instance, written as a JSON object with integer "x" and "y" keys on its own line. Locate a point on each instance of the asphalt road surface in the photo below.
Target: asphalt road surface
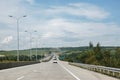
{"x": 51, "y": 71}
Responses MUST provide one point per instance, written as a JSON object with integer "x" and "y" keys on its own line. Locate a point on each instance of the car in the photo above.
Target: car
{"x": 54, "y": 61}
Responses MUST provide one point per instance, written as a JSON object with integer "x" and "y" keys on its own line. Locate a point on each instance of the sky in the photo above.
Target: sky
{"x": 59, "y": 23}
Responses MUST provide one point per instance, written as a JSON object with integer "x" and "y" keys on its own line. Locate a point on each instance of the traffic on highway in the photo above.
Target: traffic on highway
{"x": 51, "y": 70}
{"x": 59, "y": 39}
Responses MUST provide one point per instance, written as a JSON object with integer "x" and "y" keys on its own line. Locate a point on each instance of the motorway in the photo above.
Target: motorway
{"x": 51, "y": 71}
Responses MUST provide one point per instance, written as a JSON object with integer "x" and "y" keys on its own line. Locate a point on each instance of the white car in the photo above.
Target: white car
{"x": 54, "y": 61}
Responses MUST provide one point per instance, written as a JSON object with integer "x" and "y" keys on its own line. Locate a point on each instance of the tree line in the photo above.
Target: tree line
{"x": 95, "y": 55}
{"x": 21, "y": 58}
{"x": 24, "y": 55}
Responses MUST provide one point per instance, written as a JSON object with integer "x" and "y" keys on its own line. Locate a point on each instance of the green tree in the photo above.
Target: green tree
{"x": 90, "y": 45}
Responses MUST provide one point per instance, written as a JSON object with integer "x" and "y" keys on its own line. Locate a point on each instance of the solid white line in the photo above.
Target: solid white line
{"x": 20, "y": 78}
{"x": 70, "y": 72}
{"x": 34, "y": 70}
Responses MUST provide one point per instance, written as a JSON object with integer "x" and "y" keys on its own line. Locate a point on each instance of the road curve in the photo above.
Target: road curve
{"x": 51, "y": 71}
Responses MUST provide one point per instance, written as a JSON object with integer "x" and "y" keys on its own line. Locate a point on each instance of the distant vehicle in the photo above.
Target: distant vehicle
{"x": 54, "y": 61}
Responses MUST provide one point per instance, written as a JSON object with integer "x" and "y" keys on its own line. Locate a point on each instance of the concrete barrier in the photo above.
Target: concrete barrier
{"x": 5, "y": 65}
{"x": 115, "y": 72}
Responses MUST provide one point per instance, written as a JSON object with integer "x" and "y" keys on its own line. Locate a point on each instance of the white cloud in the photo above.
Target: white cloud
{"x": 11, "y": 7}
{"x": 53, "y": 27}
{"x": 86, "y": 10}
{"x": 7, "y": 40}
{"x": 90, "y": 11}
{"x": 48, "y": 35}
{"x": 66, "y": 30}
{"x": 31, "y": 1}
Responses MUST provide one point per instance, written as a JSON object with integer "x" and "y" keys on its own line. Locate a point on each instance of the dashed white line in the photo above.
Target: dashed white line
{"x": 20, "y": 78}
{"x": 34, "y": 70}
{"x": 70, "y": 72}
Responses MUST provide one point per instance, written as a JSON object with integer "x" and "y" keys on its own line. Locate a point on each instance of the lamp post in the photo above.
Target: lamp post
{"x": 31, "y": 44}
{"x": 17, "y": 21}
{"x": 36, "y": 47}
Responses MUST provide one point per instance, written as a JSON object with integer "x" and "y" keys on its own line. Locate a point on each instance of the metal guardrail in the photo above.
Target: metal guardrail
{"x": 115, "y": 72}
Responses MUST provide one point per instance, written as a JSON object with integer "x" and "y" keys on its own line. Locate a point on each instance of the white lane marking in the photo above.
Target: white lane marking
{"x": 20, "y": 78}
{"x": 34, "y": 70}
{"x": 70, "y": 72}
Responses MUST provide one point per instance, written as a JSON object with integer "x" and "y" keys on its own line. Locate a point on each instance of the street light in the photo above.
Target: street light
{"x": 36, "y": 46}
{"x": 31, "y": 44}
{"x": 17, "y": 20}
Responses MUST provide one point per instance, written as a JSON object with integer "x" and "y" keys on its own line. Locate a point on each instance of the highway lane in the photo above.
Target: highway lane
{"x": 84, "y": 74}
{"x": 42, "y": 71}
{"x": 51, "y": 71}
